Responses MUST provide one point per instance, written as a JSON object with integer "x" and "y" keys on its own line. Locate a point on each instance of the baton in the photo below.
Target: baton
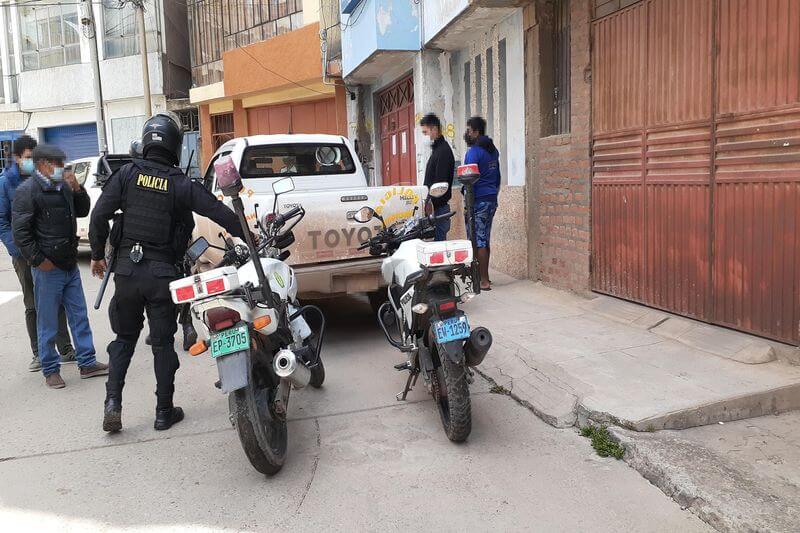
{"x": 104, "y": 284}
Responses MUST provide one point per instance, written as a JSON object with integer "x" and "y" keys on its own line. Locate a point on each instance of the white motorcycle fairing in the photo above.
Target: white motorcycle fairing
{"x": 400, "y": 265}
{"x": 281, "y": 277}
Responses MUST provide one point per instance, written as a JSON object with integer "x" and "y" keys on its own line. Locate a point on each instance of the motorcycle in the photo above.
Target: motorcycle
{"x": 427, "y": 283}
{"x": 253, "y": 325}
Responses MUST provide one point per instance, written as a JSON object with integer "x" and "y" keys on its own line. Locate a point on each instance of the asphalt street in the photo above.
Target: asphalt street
{"x": 358, "y": 461}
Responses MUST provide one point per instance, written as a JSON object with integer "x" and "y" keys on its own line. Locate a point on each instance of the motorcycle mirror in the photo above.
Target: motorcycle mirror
{"x": 282, "y": 186}
{"x": 364, "y": 215}
{"x": 439, "y": 189}
{"x": 197, "y": 248}
{"x": 228, "y": 178}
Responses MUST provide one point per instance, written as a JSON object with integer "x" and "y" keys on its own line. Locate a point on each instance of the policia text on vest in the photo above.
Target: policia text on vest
{"x": 152, "y": 183}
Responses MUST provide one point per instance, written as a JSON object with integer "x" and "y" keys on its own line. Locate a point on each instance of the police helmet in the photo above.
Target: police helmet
{"x": 136, "y": 149}
{"x": 164, "y": 130}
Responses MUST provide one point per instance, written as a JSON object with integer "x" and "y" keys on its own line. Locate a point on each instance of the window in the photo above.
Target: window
{"x": 124, "y": 131}
{"x": 49, "y": 34}
{"x": 274, "y": 160}
{"x": 561, "y": 68}
{"x": 217, "y": 26}
{"x": 489, "y": 92}
{"x": 12, "y": 97}
{"x": 121, "y": 31}
{"x": 221, "y": 129}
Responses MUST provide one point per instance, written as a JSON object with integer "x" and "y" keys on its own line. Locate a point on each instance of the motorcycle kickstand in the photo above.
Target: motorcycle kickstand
{"x": 410, "y": 382}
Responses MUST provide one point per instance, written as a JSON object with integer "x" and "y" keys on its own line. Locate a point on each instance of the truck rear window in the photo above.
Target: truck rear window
{"x": 299, "y": 159}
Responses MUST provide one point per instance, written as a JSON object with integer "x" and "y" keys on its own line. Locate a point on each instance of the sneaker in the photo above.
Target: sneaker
{"x": 35, "y": 365}
{"x": 97, "y": 369}
{"x": 69, "y": 355}
{"x": 54, "y": 381}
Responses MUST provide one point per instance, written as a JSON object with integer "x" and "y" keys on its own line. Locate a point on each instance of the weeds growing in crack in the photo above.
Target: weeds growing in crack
{"x": 602, "y": 442}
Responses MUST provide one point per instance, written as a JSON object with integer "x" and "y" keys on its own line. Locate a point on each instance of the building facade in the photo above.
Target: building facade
{"x": 47, "y": 87}
{"x": 455, "y": 58}
{"x": 258, "y": 69}
{"x": 678, "y": 182}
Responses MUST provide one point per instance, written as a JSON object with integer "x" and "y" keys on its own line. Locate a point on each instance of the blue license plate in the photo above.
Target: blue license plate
{"x": 451, "y": 329}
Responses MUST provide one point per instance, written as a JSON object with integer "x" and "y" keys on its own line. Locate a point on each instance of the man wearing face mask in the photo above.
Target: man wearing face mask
{"x": 441, "y": 167}
{"x": 44, "y": 224}
{"x": 20, "y": 169}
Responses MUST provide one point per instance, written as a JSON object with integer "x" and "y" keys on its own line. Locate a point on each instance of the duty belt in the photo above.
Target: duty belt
{"x": 146, "y": 253}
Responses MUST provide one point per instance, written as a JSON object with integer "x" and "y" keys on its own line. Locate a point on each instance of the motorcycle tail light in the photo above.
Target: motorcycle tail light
{"x": 221, "y": 318}
{"x": 461, "y": 256}
{"x": 215, "y": 286}
{"x": 446, "y": 307}
{"x": 184, "y": 294}
{"x": 436, "y": 258}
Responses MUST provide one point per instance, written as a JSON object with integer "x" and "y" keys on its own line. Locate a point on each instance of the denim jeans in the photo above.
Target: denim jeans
{"x": 52, "y": 290}
{"x": 442, "y": 226}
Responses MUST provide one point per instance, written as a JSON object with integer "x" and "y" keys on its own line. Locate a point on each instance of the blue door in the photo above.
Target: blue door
{"x": 77, "y": 141}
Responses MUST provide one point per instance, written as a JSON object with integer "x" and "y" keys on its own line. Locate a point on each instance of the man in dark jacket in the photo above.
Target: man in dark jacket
{"x": 483, "y": 153}
{"x": 44, "y": 223}
{"x": 21, "y": 168}
{"x": 440, "y": 168}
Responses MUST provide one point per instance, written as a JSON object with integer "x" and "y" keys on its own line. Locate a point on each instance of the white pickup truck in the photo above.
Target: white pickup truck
{"x": 331, "y": 186}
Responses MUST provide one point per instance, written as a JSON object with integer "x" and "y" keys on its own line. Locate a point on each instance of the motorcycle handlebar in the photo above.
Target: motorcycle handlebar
{"x": 293, "y": 212}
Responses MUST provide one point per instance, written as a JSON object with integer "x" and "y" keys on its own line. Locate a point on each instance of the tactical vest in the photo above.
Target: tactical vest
{"x": 149, "y": 204}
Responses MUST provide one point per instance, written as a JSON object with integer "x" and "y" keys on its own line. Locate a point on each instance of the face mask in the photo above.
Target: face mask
{"x": 58, "y": 174}
{"x": 427, "y": 141}
{"x": 26, "y": 167}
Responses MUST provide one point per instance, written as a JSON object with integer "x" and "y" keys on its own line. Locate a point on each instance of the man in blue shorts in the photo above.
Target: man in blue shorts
{"x": 483, "y": 152}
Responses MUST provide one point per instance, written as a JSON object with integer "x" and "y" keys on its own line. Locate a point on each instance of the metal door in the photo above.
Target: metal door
{"x": 398, "y": 152}
{"x": 696, "y": 166}
{"x": 302, "y": 117}
{"x": 77, "y": 141}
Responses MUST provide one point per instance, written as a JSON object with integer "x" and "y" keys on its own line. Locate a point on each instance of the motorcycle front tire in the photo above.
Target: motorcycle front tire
{"x": 263, "y": 436}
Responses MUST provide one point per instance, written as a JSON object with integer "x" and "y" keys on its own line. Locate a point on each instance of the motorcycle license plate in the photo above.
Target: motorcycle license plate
{"x": 451, "y": 329}
{"x": 229, "y": 341}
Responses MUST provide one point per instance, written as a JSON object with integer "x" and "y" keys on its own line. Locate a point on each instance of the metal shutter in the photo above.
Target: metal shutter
{"x": 77, "y": 141}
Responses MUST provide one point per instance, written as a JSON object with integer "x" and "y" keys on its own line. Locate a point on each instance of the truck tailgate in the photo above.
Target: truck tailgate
{"x": 328, "y": 232}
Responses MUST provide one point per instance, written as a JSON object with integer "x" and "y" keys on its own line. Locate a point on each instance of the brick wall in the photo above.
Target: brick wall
{"x": 560, "y": 175}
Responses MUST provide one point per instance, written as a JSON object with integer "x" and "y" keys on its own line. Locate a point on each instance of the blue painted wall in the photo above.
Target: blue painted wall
{"x": 375, "y": 25}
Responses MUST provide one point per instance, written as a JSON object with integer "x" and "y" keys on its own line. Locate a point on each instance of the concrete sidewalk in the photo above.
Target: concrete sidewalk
{"x": 568, "y": 357}
{"x": 583, "y": 361}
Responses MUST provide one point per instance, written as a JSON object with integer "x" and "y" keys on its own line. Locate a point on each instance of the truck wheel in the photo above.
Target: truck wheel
{"x": 451, "y": 393}
{"x": 262, "y": 434}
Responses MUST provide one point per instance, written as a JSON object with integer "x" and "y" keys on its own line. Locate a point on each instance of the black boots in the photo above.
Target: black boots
{"x": 189, "y": 336}
{"x": 112, "y": 415}
{"x": 167, "y": 417}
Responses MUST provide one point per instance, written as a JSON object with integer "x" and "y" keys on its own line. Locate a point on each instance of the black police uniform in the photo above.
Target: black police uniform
{"x": 153, "y": 196}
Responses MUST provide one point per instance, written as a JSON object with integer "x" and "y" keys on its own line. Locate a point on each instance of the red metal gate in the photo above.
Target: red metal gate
{"x": 396, "y": 112}
{"x": 696, "y": 166}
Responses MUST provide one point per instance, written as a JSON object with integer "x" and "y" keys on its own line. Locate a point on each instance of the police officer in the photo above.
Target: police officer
{"x": 154, "y": 197}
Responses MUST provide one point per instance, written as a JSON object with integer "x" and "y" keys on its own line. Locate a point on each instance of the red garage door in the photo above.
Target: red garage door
{"x": 304, "y": 117}
{"x": 399, "y": 156}
{"x": 696, "y": 160}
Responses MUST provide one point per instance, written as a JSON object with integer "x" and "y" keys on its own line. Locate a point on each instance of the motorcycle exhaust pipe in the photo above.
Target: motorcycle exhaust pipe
{"x": 288, "y": 366}
{"x": 476, "y": 347}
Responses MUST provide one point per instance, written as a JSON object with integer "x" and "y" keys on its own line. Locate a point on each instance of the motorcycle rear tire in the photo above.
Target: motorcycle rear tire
{"x": 452, "y": 400}
{"x": 263, "y": 436}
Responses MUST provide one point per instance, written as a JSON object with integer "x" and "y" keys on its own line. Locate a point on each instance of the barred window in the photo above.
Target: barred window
{"x": 121, "y": 31}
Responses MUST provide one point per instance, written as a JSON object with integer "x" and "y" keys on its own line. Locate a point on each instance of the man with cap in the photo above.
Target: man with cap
{"x": 20, "y": 169}
{"x": 44, "y": 224}
{"x": 154, "y": 197}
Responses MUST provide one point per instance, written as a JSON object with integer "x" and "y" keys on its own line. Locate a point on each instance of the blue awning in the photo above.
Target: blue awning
{"x": 10, "y": 135}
